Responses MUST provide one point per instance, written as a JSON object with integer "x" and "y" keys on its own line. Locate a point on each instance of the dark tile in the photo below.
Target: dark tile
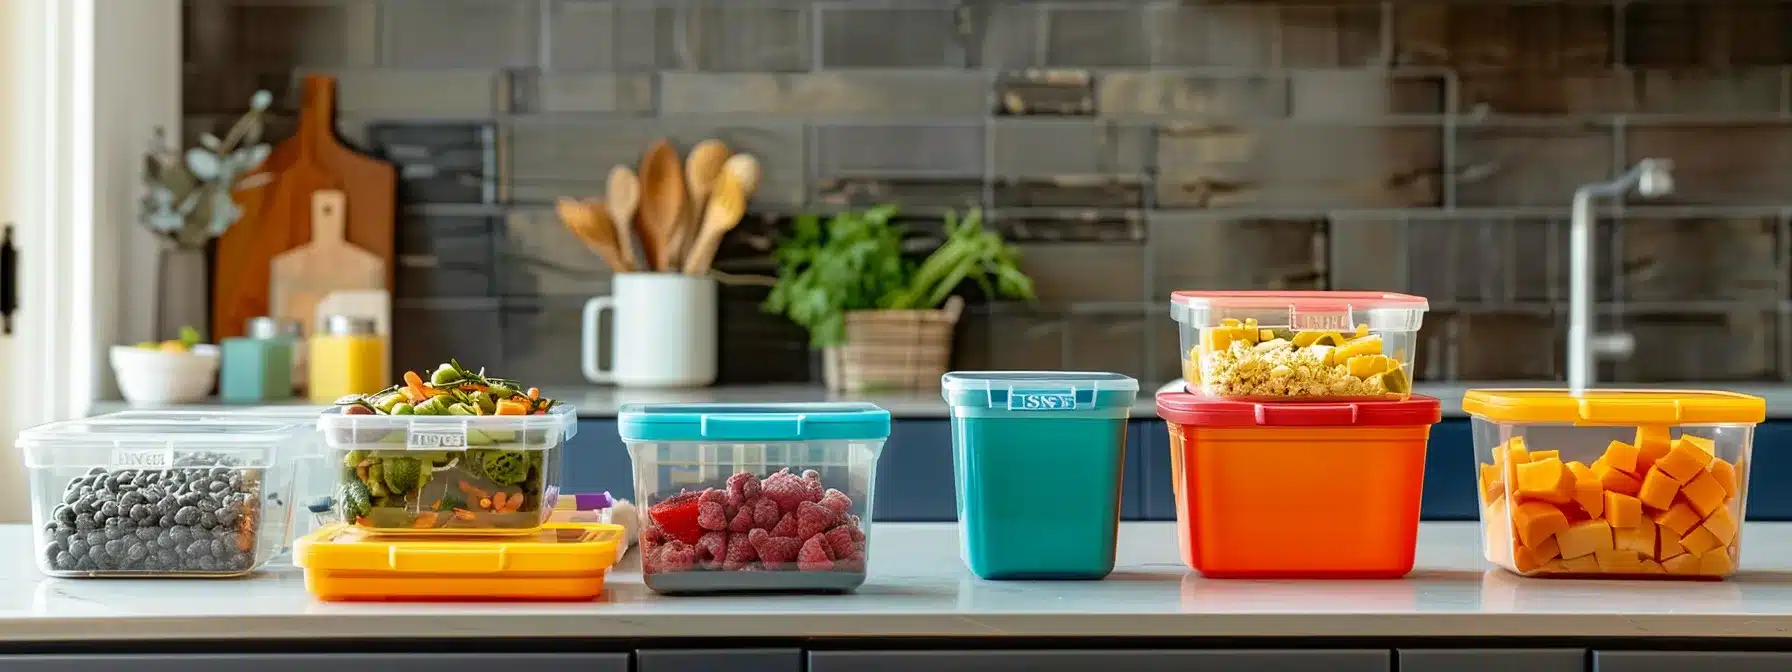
{"x": 542, "y": 340}
{"x": 603, "y": 35}
{"x": 1046, "y": 93}
{"x": 1094, "y": 195}
{"x": 1489, "y": 346}
{"x": 406, "y": 93}
{"x": 1530, "y": 165}
{"x": 1298, "y": 166}
{"x": 946, "y": 150}
{"x": 1201, "y": 251}
{"x": 883, "y": 37}
{"x": 454, "y": 257}
{"x": 756, "y": 346}
{"x": 540, "y": 258}
{"x": 1364, "y": 94}
{"x": 459, "y": 33}
{"x": 1330, "y": 36}
{"x": 1036, "y": 148}
{"x": 1007, "y": 35}
{"x": 1527, "y": 36}
{"x": 1096, "y": 36}
{"x": 1482, "y": 263}
{"x": 323, "y": 33}
{"x": 1011, "y": 341}
{"x": 549, "y": 158}
{"x": 440, "y": 162}
{"x": 1542, "y": 93}
{"x": 1202, "y": 34}
{"x": 865, "y": 93}
{"x": 726, "y": 38}
{"x": 1071, "y": 273}
{"x": 1178, "y": 94}
{"x": 868, "y": 191}
{"x": 1719, "y": 163}
{"x": 227, "y": 90}
{"x": 1700, "y": 34}
{"x": 1729, "y": 346}
{"x": 583, "y": 92}
{"x": 1733, "y": 92}
{"x": 1703, "y": 259}
{"x": 426, "y": 333}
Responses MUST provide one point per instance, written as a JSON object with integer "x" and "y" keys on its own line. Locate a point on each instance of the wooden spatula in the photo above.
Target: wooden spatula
{"x": 591, "y": 223}
{"x": 662, "y": 199}
{"x": 701, "y": 168}
{"x": 726, "y": 206}
{"x": 621, "y": 195}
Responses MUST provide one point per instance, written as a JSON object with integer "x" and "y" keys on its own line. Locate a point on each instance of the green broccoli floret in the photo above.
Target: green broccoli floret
{"x": 353, "y": 499}
{"x": 403, "y": 474}
{"x": 353, "y": 458}
{"x": 505, "y": 467}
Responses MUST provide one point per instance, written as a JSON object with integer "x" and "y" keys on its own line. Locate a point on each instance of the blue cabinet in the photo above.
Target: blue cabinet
{"x": 595, "y": 460}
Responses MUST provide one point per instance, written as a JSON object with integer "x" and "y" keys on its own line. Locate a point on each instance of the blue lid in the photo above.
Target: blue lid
{"x": 753, "y": 422}
{"x": 1039, "y": 390}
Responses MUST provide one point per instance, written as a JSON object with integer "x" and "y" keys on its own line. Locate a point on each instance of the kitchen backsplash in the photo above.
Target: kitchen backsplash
{"x": 1132, "y": 148}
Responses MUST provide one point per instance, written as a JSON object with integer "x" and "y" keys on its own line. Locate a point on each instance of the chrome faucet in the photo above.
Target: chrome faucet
{"x": 1651, "y": 178}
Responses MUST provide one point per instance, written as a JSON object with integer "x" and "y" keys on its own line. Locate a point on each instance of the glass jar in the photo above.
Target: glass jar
{"x": 257, "y": 367}
{"x": 345, "y": 357}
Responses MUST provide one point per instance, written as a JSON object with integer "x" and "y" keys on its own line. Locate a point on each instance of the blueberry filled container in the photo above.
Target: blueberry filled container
{"x": 162, "y": 495}
{"x": 739, "y": 498}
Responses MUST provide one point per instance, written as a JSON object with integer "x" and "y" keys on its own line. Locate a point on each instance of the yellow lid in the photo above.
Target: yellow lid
{"x": 554, "y": 548}
{"x": 1616, "y": 407}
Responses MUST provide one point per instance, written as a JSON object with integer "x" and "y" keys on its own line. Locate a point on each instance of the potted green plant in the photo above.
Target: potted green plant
{"x": 881, "y": 320}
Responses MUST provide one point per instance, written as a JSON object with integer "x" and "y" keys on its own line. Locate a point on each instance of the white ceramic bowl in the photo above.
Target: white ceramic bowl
{"x": 157, "y": 377}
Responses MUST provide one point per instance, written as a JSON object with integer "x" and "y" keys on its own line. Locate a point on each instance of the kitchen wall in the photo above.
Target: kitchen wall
{"x": 1131, "y": 147}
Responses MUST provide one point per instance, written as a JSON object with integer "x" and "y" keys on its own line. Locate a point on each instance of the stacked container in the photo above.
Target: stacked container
{"x": 1613, "y": 483}
{"x": 754, "y": 497}
{"x": 1299, "y": 449}
{"x": 1018, "y": 435}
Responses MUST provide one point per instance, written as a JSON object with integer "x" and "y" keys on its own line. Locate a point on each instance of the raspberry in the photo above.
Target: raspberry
{"x": 786, "y": 527}
{"x": 813, "y": 519}
{"x": 742, "y": 520}
{"x": 812, "y": 490}
{"x": 740, "y": 552}
{"x": 743, "y": 487}
{"x": 712, "y": 548}
{"x": 677, "y": 556}
{"x": 772, "y": 549}
{"x": 765, "y": 513}
{"x": 712, "y": 495}
{"x": 652, "y": 536}
{"x": 858, "y": 531}
{"x": 712, "y": 516}
{"x": 836, "y": 500}
{"x": 814, "y": 556}
{"x": 811, "y": 475}
{"x": 840, "y": 540}
{"x": 677, "y": 517}
{"x": 785, "y": 489}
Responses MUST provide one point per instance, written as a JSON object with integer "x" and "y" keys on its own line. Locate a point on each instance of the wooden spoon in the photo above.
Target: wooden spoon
{"x": 726, "y": 206}
{"x": 662, "y": 199}
{"x": 701, "y": 167}
{"x": 591, "y": 223}
{"x": 623, "y": 194}
{"x": 745, "y": 170}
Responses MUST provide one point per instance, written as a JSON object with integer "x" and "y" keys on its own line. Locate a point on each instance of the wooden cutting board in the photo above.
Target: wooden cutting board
{"x": 276, "y": 219}
{"x": 302, "y": 277}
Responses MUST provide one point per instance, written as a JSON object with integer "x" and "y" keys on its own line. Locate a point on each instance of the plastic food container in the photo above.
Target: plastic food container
{"x": 1614, "y": 483}
{"x": 447, "y": 474}
{"x": 1276, "y": 346}
{"x": 162, "y": 494}
{"x": 1016, "y": 435}
{"x": 1298, "y": 490}
{"x": 560, "y": 561}
{"x": 754, "y": 497}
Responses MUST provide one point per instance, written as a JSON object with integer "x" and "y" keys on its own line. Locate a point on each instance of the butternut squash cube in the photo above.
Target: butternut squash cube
{"x": 1684, "y": 461}
{"x": 1652, "y": 442}
{"x": 1526, "y": 561}
{"x": 1622, "y": 510}
{"x": 1658, "y": 489}
{"x": 1640, "y": 539}
{"x": 1547, "y": 550}
{"x": 1650, "y": 567}
{"x": 1616, "y": 480}
{"x": 1700, "y": 442}
{"x": 1717, "y": 563}
{"x": 1586, "y": 564}
{"x": 1722, "y": 525}
{"x": 1513, "y": 451}
{"x": 1588, "y": 492}
{"x": 1547, "y": 480}
{"x": 1700, "y": 541}
{"x": 1680, "y": 518}
{"x": 1620, "y": 455}
{"x": 1703, "y": 493}
{"x": 1546, "y": 455}
{"x": 1492, "y": 487}
{"x": 1725, "y": 473}
{"x": 1536, "y": 521}
{"x": 1684, "y": 564}
{"x": 1616, "y": 561}
{"x": 1668, "y": 542}
{"x": 1583, "y": 538}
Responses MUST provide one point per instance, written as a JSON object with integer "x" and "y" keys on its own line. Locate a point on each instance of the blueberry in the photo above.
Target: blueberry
{"x": 132, "y": 499}
{"x": 219, "y": 487}
{"x": 136, "y": 552}
{"x": 53, "y": 548}
{"x": 94, "y": 538}
{"x": 85, "y": 522}
{"x": 200, "y": 548}
{"x": 108, "y": 510}
{"x": 147, "y": 533}
{"x": 125, "y": 475}
{"x": 167, "y": 520}
{"x": 86, "y": 565}
{"x": 63, "y": 561}
{"x": 187, "y": 515}
{"x": 227, "y": 538}
{"x": 226, "y": 516}
{"x": 72, "y": 495}
{"x": 64, "y": 514}
{"x": 180, "y": 535}
{"x": 188, "y": 499}
{"x": 207, "y": 520}
{"x": 116, "y": 531}
{"x": 169, "y": 557}
{"x": 206, "y": 563}
{"x": 166, "y": 540}
{"x": 142, "y": 512}
{"x": 115, "y": 523}
{"x": 115, "y": 547}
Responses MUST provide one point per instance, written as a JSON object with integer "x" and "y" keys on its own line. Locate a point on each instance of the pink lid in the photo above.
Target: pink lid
{"x": 1301, "y": 300}
{"x": 1196, "y": 410}
{"x": 1327, "y": 311}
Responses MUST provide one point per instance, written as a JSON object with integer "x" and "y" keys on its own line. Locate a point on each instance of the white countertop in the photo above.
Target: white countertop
{"x": 918, "y": 587}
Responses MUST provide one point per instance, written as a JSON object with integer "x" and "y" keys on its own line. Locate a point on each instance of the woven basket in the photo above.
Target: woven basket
{"x": 893, "y": 349}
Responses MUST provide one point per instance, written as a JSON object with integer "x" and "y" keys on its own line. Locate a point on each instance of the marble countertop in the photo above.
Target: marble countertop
{"x": 919, "y": 588}
{"x": 601, "y": 402}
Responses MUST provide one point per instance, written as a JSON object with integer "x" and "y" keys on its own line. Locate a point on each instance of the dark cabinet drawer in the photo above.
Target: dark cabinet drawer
{"x": 1677, "y": 661}
{"x": 1101, "y": 661}
{"x": 1493, "y": 660}
{"x": 384, "y": 662}
{"x": 712, "y": 660}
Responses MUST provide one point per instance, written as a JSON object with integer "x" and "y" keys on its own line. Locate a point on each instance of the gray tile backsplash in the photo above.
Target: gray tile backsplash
{"x": 1130, "y": 147}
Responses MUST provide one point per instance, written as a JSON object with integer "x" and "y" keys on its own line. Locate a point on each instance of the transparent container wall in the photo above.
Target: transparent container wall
{"x": 740, "y": 517}
{"x": 495, "y": 490}
{"x": 1614, "y": 502}
{"x": 214, "y": 513}
{"x": 1277, "y": 349}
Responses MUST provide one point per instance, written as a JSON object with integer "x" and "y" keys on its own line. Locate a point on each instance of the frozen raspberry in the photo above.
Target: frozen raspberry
{"x": 677, "y": 517}
{"x": 652, "y": 536}
{"x": 813, "y": 519}
{"x": 840, "y": 540}
{"x": 712, "y": 548}
{"x": 765, "y": 513}
{"x": 743, "y": 487}
{"x": 712, "y": 495}
{"x": 786, "y": 527}
{"x": 858, "y": 530}
{"x": 773, "y": 549}
{"x": 785, "y": 489}
{"x": 712, "y": 516}
{"x": 812, "y": 491}
{"x": 849, "y": 565}
{"x": 814, "y": 556}
{"x": 740, "y": 552}
{"x": 677, "y": 556}
{"x": 811, "y": 475}
{"x": 741, "y": 521}
{"x": 836, "y": 500}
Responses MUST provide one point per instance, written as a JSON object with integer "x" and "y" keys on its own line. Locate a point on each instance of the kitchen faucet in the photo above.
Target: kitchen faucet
{"x": 1651, "y": 178}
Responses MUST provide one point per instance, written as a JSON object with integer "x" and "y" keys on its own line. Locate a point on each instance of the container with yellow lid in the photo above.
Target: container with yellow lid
{"x": 1613, "y": 483}
{"x": 559, "y": 561}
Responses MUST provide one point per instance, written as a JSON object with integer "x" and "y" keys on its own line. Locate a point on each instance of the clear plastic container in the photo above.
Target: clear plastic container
{"x": 447, "y": 474}
{"x": 1615, "y": 483}
{"x": 1297, "y": 490}
{"x": 162, "y": 494}
{"x": 560, "y": 561}
{"x": 1016, "y": 434}
{"x": 1277, "y": 346}
{"x": 754, "y": 497}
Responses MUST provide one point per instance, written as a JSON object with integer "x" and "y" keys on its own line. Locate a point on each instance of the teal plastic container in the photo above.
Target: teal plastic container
{"x": 1038, "y": 458}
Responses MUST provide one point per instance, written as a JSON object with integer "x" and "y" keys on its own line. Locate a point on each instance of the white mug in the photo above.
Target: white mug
{"x": 662, "y": 331}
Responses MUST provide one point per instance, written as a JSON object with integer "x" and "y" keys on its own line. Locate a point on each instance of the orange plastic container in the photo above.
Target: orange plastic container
{"x": 1298, "y": 490}
{"x": 559, "y": 561}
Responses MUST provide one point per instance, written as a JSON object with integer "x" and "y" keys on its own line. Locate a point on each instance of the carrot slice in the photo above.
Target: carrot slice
{"x": 509, "y": 407}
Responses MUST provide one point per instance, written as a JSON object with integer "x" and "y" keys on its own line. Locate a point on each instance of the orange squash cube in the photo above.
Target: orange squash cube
{"x": 1700, "y": 442}
{"x": 1511, "y": 452}
{"x": 1703, "y": 493}
{"x": 1684, "y": 564}
{"x": 1547, "y": 480}
{"x": 1492, "y": 486}
{"x": 1722, "y": 525}
{"x": 1680, "y": 518}
{"x": 1658, "y": 489}
{"x": 1588, "y": 492}
{"x": 1640, "y": 539}
{"x": 1616, "y": 480}
{"x": 1536, "y": 521}
{"x": 1621, "y": 455}
{"x": 1586, "y": 564}
{"x": 1700, "y": 541}
{"x": 1725, "y": 473}
{"x": 1652, "y": 442}
{"x": 1617, "y": 561}
{"x": 1547, "y": 550}
{"x": 1684, "y": 461}
{"x": 1526, "y": 561}
{"x": 1583, "y": 538}
{"x": 1668, "y": 544}
{"x": 1717, "y": 563}
{"x": 1622, "y": 510}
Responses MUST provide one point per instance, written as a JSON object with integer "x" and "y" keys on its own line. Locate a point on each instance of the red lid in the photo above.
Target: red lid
{"x": 1196, "y": 410}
